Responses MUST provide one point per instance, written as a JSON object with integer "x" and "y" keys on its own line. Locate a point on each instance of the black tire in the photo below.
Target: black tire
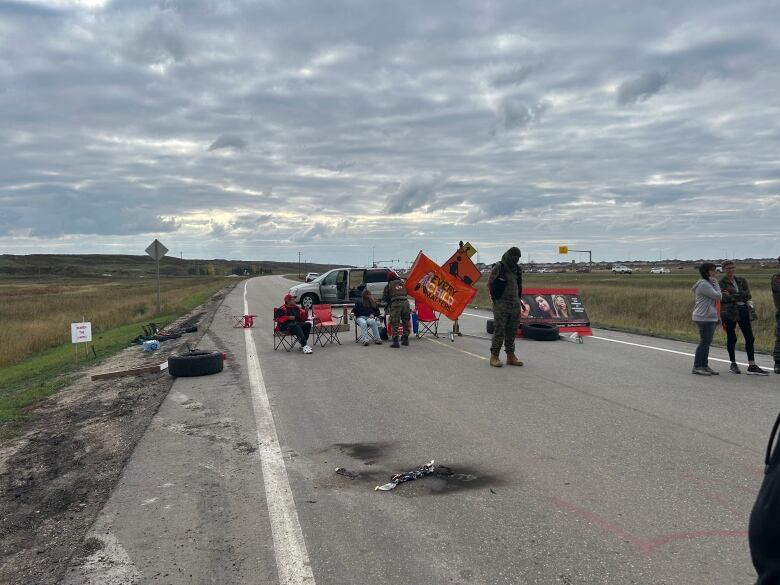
{"x": 195, "y": 363}
{"x": 491, "y": 326}
{"x": 540, "y": 331}
{"x": 309, "y": 300}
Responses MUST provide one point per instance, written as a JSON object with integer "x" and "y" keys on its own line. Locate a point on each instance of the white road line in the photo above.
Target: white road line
{"x": 292, "y": 559}
{"x": 661, "y": 349}
{"x": 639, "y": 345}
{"x": 475, "y": 315}
{"x": 450, "y": 346}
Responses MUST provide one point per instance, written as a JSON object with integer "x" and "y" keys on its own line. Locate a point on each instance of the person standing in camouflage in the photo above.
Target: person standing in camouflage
{"x": 505, "y": 286}
{"x": 394, "y": 297}
{"x": 776, "y": 297}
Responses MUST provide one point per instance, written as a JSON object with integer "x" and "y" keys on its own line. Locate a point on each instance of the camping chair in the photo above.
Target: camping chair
{"x": 427, "y": 321}
{"x": 380, "y": 323}
{"x": 325, "y": 328}
{"x": 283, "y": 338}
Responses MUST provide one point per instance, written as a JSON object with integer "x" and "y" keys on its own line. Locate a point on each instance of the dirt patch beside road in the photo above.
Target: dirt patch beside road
{"x": 56, "y": 476}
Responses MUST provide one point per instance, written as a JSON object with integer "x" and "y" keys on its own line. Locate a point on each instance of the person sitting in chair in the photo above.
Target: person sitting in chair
{"x": 366, "y": 313}
{"x": 294, "y": 319}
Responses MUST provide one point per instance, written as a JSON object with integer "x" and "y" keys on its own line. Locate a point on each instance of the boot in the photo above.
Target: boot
{"x": 511, "y": 359}
{"x": 395, "y": 342}
{"x": 494, "y": 361}
{"x": 404, "y": 340}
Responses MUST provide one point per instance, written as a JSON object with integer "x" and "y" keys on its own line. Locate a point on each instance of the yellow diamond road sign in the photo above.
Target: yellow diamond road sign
{"x": 563, "y": 249}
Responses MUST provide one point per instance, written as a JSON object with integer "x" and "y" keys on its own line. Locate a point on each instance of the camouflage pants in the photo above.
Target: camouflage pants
{"x": 777, "y": 338}
{"x": 400, "y": 313}
{"x": 505, "y": 317}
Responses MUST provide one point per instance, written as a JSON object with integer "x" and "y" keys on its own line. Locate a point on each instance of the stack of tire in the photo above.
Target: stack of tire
{"x": 195, "y": 363}
{"x": 535, "y": 331}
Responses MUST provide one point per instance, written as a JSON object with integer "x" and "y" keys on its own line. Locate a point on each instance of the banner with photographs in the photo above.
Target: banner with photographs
{"x": 557, "y": 306}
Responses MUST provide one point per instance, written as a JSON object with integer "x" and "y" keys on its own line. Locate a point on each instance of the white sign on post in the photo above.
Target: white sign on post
{"x": 80, "y": 332}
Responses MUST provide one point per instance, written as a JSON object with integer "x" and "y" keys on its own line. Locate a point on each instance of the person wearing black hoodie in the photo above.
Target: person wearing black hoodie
{"x": 505, "y": 285}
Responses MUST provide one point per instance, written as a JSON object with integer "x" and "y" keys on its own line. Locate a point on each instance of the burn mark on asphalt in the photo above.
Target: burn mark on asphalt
{"x": 368, "y": 453}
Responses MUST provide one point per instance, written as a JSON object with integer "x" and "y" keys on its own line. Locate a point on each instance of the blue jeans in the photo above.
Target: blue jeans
{"x": 363, "y": 324}
{"x": 706, "y": 333}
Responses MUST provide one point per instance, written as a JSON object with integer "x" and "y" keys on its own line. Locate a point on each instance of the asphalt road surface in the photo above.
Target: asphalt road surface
{"x": 605, "y": 462}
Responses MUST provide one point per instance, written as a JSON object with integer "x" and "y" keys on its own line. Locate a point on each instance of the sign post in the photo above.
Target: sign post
{"x": 80, "y": 333}
{"x": 156, "y": 250}
{"x": 566, "y": 250}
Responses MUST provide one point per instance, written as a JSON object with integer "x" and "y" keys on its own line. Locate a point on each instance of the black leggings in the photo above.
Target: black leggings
{"x": 747, "y": 332}
{"x": 300, "y": 330}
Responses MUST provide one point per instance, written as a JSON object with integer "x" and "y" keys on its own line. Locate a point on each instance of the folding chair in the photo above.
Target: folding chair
{"x": 283, "y": 338}
{"x": 379, "y": 322}
{"x": 325, "y": 327}
{"x": 427, "y": 321}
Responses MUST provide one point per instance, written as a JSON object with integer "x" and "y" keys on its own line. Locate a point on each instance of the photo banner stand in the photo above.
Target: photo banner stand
{"x": 577, "y": 320}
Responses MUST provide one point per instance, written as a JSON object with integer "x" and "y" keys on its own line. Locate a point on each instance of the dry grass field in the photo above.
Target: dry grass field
{"x": 36, "y": 314}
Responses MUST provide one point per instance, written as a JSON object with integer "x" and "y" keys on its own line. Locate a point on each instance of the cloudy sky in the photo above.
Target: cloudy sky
{"x": 342, "y": 129}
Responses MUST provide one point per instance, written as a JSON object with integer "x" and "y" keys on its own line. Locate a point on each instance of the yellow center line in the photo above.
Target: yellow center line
{"x": 450, "y": 346}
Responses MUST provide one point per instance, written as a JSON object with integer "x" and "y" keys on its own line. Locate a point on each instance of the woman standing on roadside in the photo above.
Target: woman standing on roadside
{"x": 706, "y": 316}
{"x": 735, "y": 310}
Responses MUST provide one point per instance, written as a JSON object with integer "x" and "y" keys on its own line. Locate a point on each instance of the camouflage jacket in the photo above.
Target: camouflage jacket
{"x": 776, "y": 289}
{"x": 732, "y": 296}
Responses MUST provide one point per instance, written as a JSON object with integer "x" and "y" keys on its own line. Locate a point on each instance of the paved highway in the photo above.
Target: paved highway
{"x": 605, "y": 462}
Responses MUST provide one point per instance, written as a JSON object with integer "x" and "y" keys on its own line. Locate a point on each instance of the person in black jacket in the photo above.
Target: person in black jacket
{"x": 292, "y": 318}
{"x": 763, "y": 533}
{"x": 735, "y": 310}
{"x": 366, "y": 313}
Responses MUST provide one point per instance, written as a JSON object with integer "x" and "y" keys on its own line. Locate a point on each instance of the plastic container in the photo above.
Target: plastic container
{"x": 151, "y": 345}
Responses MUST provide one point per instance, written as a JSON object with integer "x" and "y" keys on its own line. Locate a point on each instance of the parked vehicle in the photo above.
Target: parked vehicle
{"x": 659, "y": 270}
{"x": 621, "y": 269}
{"x": 718, "y": 268}
{"x": 311, "y": 276}
{"x": 341, "y": 285}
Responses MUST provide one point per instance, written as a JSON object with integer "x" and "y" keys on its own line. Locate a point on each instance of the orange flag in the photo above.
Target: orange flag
{"x": 444, "y": 292}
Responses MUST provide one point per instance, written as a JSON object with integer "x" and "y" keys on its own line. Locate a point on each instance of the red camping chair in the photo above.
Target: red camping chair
{"x": 283, "y": 338}
{"x": 326, "y": 327}
{"x": 427, "y": 321}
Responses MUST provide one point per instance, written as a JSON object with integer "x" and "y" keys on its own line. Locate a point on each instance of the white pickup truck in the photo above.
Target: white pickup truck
{"x": 621, "y": 269}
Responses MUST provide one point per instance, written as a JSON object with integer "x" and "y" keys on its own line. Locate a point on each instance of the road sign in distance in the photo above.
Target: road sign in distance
{"x": 563, "y": 249}
{"x": 156, "y": 250}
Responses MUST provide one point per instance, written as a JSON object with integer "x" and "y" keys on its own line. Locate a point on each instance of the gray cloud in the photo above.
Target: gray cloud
{"x": 514, "y": 77}
{"x": 413, "y": 194}
{"x": 228, "y": 141}
{"x": 642, "y": 88}
{"x": 436, "y": 121}
{"x": 159, "y": 40}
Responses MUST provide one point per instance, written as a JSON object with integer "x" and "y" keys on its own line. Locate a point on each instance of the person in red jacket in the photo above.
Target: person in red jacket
{"x": 294, "y": 319}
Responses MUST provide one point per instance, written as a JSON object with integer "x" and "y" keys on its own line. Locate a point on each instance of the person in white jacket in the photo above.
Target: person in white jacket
{"x": 706, "y": 315}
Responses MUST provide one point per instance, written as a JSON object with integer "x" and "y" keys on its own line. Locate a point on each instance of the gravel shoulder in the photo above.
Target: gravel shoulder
{"x": 57, "y": 474}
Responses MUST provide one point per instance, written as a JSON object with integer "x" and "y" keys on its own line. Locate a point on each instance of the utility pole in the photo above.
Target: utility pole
{"x": 299, "y": 263}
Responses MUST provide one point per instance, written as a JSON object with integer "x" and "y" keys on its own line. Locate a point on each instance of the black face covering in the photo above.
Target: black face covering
{"x": 510, "y": 259}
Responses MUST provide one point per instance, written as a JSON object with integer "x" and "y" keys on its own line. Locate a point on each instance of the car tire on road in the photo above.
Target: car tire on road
{"x": 540, "y": 331}
{"x": 308, "y": 300}
{"x": 491, "y": 326}
{"x": 195, "y": 363}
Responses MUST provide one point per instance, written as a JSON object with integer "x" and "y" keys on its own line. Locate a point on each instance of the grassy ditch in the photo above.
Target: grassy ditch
{"x": 36, "y": 355}
{"x": 652, "y": 304}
